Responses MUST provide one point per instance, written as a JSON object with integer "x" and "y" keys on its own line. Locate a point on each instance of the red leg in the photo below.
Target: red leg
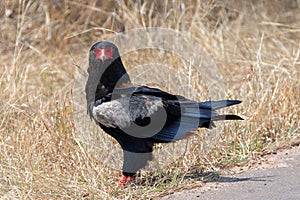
{"x": 124, "y": 180}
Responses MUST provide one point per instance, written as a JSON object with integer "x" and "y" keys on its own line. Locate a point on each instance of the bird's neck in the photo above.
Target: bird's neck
{"x": 113, "y": 76}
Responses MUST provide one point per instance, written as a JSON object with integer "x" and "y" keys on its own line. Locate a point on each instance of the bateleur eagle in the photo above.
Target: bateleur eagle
{"x": 138, "y": 117}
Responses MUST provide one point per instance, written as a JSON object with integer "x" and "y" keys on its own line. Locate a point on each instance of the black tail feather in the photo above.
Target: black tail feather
{"x": 209, "y": 114}
{"x": 227, "y": 117}
{"x": 216, "y": 105}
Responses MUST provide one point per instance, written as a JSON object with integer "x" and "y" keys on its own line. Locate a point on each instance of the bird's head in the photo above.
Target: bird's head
{"x": 105, "y": 72}
{"x": 104, "y": 51}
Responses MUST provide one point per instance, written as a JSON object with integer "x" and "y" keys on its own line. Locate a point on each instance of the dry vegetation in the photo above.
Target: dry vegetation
{"x": 255, "y": 44}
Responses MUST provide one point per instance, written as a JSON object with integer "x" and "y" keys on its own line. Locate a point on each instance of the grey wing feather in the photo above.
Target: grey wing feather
{"x": 122, "y": 112}
{"x": 112, "y": 114}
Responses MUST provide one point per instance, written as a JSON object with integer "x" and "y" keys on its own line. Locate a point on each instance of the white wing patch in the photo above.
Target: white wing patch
{"x": 122, "y": 112}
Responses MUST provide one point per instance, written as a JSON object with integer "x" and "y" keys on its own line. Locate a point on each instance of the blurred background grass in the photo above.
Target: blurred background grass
{"x": 255, "y": 44}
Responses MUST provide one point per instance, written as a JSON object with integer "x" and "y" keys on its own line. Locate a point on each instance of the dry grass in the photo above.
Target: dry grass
{"x": 256, "y": 46}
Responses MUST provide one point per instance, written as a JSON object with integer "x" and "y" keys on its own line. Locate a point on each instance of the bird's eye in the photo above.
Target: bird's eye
{"x": 97, "y": 53}
{"x": 96, "y": 50}
{"x": 108, "y": 52}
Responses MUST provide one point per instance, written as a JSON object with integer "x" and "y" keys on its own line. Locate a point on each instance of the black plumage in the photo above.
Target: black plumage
{"x": 137, "y": 117}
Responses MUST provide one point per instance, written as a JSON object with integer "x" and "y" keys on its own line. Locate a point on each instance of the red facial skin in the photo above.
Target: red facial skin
{"x": 103, "y": 54}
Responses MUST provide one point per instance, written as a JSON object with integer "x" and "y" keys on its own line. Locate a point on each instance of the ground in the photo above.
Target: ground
{"x": 277, "y": 178}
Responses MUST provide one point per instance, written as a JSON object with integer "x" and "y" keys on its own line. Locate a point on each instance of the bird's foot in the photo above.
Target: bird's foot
{"x": 125, "y": 181}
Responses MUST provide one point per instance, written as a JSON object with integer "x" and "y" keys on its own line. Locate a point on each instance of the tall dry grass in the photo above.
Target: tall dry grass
{"x": 255, "y": 44}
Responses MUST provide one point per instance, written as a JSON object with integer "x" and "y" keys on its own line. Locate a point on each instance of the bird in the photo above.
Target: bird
{"x": 138, "y": 116}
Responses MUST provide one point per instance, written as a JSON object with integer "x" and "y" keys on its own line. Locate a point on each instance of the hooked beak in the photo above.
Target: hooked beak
{"x": 102, "y": 58}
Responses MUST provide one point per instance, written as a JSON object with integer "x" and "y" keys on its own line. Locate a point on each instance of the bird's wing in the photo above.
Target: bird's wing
{"x": 151, "y": 109}
{"x": 149, "y": 112}
{"x": 126, "y": 110}
{"x": 171, "y": 116}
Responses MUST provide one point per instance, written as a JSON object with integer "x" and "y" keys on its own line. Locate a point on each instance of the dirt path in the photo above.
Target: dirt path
{"x": 278, "y": 178}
